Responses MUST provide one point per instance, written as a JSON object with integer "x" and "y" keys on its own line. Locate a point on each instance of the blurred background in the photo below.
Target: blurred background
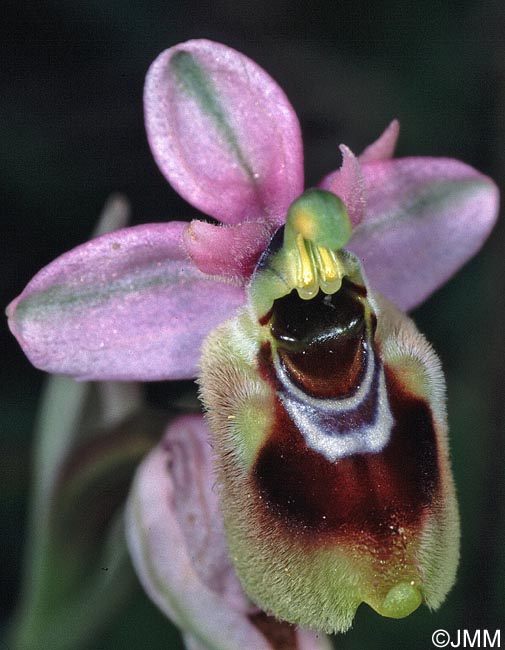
{"x": 71, "y": 133}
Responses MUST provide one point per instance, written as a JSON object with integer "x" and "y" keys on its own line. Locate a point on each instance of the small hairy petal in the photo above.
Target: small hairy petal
{"x": 425, "y": 218}
{"x": 231, "y": 251}
{"x": 348, "y": 183}
{"x": 223, "y": 133}
{"x": 176, "y": 541}
{"x": 384, "y": 147}
{"x": 127, "y": 305}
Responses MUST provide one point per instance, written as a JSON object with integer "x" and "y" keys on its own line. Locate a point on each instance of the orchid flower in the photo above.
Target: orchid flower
{"x": 325, "y": 407}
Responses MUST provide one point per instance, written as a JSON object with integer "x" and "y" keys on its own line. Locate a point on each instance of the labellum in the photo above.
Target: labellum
{"x": 327, "y": 409}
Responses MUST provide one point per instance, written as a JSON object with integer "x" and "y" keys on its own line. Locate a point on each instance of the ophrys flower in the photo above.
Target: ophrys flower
{"x": 326, "y": 406}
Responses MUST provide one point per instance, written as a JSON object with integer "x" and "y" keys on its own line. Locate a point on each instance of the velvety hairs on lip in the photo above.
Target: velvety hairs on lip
{"x": 324, "y": 405}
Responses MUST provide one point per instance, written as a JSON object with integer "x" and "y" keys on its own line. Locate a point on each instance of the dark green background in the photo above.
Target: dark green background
{"x": 71, "y": 132}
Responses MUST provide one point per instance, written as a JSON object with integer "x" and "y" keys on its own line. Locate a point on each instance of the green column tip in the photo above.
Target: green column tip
{"x": 321, "y": 218}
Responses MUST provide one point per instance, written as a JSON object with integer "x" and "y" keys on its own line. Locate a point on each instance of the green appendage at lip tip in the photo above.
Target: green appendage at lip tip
{"x": 400, "y": 601}
{"x": 194, "y": 80}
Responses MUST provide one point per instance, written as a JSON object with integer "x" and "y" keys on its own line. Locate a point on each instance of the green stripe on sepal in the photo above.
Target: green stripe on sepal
{"x": 194, "y": 80}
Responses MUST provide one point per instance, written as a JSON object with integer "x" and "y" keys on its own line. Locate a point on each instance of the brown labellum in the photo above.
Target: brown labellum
{"x": 330, "y": 437}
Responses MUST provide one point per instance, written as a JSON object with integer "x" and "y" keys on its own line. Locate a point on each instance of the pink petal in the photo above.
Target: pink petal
{"x": 231, "y": 251}
{"x": 176, "y": 540}
{"x": 303, "y": 639}
{"x": 348, "y": 183}
{"x": 384, "y": 147}
{"x": 127, "y": 305}
{"x": 308, "y": 640}
{"x": 425, "y": 218}
{"x": 223, "y": 133}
